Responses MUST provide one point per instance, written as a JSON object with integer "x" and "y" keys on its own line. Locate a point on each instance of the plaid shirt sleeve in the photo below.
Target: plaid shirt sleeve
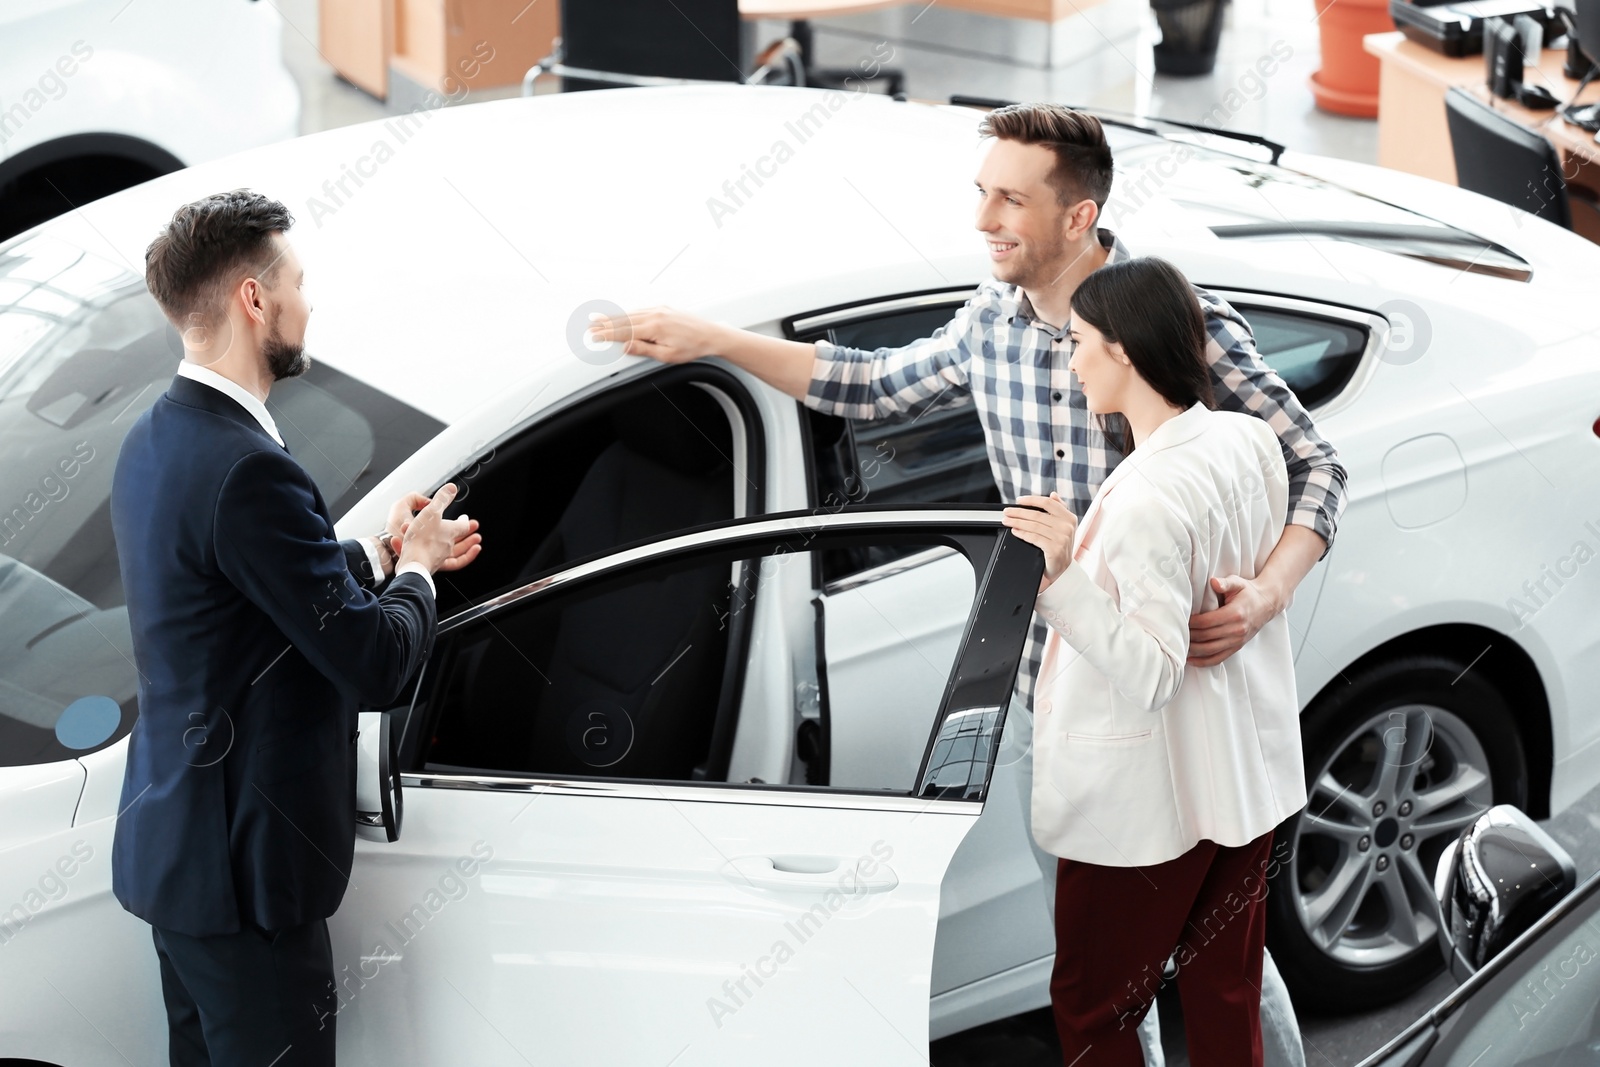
{"x": 931, "y": 373}
{"x": 1243, "y": 382}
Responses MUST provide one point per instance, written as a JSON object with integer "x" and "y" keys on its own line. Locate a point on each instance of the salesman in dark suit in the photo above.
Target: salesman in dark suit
{"x": 256, "y": 634}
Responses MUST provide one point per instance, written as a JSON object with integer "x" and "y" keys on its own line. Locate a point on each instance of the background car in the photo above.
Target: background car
{"x": 453, "y": 258}
{"x": 91, "y": 92}
{"x": 1522, "y": 942}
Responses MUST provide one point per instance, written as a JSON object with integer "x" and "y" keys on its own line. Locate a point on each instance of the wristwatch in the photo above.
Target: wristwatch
{"x": 386, "y": 549}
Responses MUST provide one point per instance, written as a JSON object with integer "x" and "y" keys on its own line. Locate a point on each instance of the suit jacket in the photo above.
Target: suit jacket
{"x": 256, "y": 634}
{"x": 1138, "y": 756}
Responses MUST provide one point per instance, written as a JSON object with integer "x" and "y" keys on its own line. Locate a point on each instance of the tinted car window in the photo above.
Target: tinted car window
{"x": 83, "y": 351}
{"x": 938, "y": 456}
{"x": 638, "y": 673}
{"x": 1314, "y": 356}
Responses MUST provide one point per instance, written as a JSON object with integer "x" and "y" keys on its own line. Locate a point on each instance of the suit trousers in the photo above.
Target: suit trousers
{"x": 1116, "y": 928}
{"x": 257, "y": 998}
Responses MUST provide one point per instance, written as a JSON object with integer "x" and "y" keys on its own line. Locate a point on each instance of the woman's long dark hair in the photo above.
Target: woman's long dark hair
{"x": 1147, "y": 305}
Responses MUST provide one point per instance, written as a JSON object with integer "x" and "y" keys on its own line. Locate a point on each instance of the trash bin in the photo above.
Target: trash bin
{"x": 1190, "y": 31}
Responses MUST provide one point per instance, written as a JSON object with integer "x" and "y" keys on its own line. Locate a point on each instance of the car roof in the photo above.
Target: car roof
{"x": 451, "y": 255}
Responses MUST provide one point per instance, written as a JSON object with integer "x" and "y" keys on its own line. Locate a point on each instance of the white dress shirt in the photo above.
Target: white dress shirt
{"x": 1138, "y": 755}
{"x": 258, "y": 411}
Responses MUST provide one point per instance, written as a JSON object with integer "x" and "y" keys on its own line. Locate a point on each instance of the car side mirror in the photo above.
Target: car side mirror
{"x": 1499, "y": 878}
{"x": 379, "y": 804}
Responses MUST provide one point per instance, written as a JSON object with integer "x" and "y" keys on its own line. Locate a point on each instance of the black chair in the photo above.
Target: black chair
{"x": 1503, "y": 159}
{"x": 659, "y": 42}
{"x": 672, "y": 42}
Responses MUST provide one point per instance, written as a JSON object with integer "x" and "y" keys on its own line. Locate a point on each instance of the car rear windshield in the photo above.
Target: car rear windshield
{"x": 83, "y": 351}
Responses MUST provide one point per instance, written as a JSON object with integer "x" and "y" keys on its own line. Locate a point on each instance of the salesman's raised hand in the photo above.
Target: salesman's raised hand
{"x": 438, "y": 543}
{"x": 661, "y": 333}
{"x": 1053, "y": 529}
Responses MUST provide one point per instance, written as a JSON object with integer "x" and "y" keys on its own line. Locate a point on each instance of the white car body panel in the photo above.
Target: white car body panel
{"x": 198, "y": 79}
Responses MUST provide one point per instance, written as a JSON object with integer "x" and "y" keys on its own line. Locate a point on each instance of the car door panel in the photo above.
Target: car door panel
{"x": 620, "y": 930}
{"x": 609, "y": 921}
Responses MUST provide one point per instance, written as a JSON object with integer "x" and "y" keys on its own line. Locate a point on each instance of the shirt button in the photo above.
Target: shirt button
{"x": 1060, "y": 454}
{"x": 1055, "y": 396}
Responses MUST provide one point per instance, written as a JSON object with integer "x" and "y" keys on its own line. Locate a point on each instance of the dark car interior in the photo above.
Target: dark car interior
{"x": 643, "y": 460}
{"x": 546, "y": 691}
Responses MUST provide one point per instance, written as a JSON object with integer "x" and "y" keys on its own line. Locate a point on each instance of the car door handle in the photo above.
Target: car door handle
{"x": 810, "y": 873}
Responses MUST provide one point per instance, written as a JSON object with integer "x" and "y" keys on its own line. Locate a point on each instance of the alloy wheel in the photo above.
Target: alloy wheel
{"x": 1397, "y": 789}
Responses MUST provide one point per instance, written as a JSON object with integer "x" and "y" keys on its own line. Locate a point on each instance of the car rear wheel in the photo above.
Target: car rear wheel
{"x": 1398, "y": 763}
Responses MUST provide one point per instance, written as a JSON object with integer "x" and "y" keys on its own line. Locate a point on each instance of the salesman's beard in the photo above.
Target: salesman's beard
{"x": 284, "y": 360}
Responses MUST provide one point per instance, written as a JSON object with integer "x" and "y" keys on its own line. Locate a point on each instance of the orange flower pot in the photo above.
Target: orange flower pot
{"x": 1347, "y": 84}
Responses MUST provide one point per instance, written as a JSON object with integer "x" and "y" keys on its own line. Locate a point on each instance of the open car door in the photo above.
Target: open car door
{"x": 607, "y": 856}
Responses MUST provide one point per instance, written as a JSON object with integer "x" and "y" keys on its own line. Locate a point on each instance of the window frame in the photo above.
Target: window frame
{"x": 1375, "y": 325}
{"x": 976, "y": 695}
{"x": 812, "y": 323}
{"x": 749, "y": 430}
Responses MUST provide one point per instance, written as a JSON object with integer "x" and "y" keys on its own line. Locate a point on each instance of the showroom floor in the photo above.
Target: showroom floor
{"x": 992, "y": 63}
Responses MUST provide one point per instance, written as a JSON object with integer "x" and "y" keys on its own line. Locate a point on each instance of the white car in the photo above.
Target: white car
{"x": 654, "y": 753}
{"x": 100, "y": 95}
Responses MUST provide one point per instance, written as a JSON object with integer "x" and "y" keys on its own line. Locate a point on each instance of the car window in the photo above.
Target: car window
{"x": 671, "y": 450}
{"x": 640, "y": 673}
{"x": 935, "y": 457}
{"x": 83, "y": 351}
{"x": 1316, "y": 357}
{"x": 1543, "y": 1007}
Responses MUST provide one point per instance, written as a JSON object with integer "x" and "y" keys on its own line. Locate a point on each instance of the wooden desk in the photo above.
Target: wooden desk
{"x": 1412, "y": 131}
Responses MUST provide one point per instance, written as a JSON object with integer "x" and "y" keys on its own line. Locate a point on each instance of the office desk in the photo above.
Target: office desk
{"x": 1412, "y": 131}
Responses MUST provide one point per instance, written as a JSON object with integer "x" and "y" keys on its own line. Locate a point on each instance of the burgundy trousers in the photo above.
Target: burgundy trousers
{"x": 1117, "y": 926}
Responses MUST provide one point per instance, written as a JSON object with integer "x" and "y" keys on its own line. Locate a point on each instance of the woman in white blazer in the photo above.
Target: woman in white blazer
{"x": 1158, "y": 783}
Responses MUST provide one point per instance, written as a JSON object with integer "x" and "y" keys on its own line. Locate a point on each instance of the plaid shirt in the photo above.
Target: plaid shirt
{"x": 997, "y": 354}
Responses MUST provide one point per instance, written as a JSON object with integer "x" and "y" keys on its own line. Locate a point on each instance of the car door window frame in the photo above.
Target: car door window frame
{"x": 747, "y": 429}
{"x": 1376, "y": 326}
{"x": 976, "y": 694}
{"x": 812, "y": 326}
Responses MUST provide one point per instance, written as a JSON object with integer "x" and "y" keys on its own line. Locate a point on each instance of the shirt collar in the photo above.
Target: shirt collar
{"x": 234, "y": 391}
{"x": 1116, "y": 251}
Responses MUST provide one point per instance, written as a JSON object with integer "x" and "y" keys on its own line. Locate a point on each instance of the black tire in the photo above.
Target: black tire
{"x": 1450, "y": 719}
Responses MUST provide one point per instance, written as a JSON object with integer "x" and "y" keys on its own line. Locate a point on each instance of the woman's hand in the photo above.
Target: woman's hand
{"x": 1052, "y": 529}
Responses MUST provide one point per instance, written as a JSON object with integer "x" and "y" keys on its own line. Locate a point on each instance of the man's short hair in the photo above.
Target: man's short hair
{"x": 1083, "y": 158}
{"x": 209, "y": 247}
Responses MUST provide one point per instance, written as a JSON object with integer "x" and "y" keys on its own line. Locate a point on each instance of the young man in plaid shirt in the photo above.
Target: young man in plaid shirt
{"x": 1041, "y": 187}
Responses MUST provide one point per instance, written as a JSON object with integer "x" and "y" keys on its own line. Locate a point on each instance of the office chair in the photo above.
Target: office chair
{"x": 659, "y": 42}
{"x": 1502, "y": 159}
{"x": 674, "y": 42}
